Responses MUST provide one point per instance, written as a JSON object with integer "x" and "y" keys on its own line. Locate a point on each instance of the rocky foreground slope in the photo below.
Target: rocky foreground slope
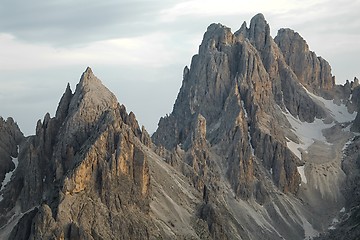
{"x": 253, "y": 149}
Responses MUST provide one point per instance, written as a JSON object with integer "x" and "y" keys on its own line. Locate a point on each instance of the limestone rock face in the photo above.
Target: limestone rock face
{"x": 356, "y": 125}
{"x": 241, "y": 85}
{"x": 311, "y": 70}
{"x": 84, "y": 174}
{"x": 259, "y": 32}
{"x": 231, "y": 83}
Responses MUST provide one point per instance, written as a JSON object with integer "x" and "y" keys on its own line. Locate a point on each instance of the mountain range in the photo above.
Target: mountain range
{"x": 261, "y": 144}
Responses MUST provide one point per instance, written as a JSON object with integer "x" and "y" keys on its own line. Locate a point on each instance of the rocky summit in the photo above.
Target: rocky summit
{"x": 261, "y": 144}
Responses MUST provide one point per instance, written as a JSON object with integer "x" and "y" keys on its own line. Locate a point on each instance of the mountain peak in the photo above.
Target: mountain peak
{"x": 215, "y": 37}
{"x": 88, "y": 71}
{"x": 287, "y": 34}
{"x": 258, "y": 18}
{"x": 88, "y": 77}
{"x": 259, "y": 31}
{"x": 82, "y": 110}
{"x": 305, "y": 64}
{"x": 91, "y": 90}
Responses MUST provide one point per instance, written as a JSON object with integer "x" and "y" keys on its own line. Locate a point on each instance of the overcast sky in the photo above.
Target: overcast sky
{"x": 139, "y": 48}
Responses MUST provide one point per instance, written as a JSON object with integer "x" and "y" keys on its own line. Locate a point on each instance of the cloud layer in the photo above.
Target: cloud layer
{"x": 139, "y": 48}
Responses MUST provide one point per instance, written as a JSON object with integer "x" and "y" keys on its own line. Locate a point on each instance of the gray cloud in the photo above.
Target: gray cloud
{"x": 330, "y": 29}
{"x": 36, "y": 92}
{"x": 328, "y": 17}
{"x": 77, "y": 22}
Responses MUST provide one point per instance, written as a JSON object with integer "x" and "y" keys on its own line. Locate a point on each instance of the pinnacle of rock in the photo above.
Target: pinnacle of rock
{"x": 251, "y": 64}
{"x": 242, "y": 32}
{"x": 93, "y": 150}
{"x": 259, "y": 31}
{"x": 91, "y": 89}
{"x": 63, "y": 107}
{"x": 311, "y": 70}
{"x": 89, "y": 101}
{"x": 216, "y": 36}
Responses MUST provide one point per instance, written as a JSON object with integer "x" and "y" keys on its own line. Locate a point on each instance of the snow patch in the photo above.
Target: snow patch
{"x": 347, "y": 144}
{"x": 335, "y": 221}
{"x": 302, "y": 174}
{"x": 342, "y": 210}
{"x": 333, "y": 224}
{"x": 243, "y": 106}
{"x": 251, "y": 147}
{"x": 8, "y": 176}
{"x": 249, "y": 136}
{"x": 306, "y": 132}
{"x": 340, "y": 112}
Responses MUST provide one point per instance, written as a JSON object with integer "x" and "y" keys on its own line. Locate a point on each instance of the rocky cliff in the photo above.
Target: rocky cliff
{"x": 311, "y": 70}
{"x": 253, "y": 149}
{"x": 254, "y": 93}
{"x": 81, "y": 173}
{"x": 240, "y": 83}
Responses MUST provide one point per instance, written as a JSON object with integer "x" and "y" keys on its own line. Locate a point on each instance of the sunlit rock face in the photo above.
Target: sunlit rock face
{"x": 83, "y": 170}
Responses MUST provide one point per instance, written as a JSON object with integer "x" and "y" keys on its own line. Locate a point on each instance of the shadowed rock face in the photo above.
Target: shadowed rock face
{"x": 355, "y": 98}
